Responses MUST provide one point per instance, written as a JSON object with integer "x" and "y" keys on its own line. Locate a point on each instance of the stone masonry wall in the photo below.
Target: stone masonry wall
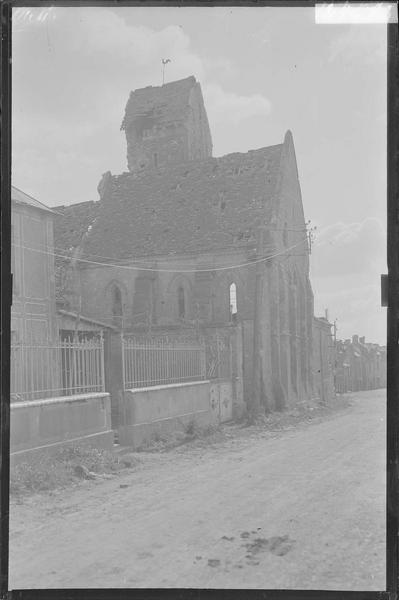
{"x": 290, "y": 296}
{"x": 158, "y": 135}
{"x": 151, "y": 298}
{"x": 206, "y": 294}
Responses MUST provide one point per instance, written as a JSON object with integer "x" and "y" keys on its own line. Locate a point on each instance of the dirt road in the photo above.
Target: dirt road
{"x": 301, "y": 509}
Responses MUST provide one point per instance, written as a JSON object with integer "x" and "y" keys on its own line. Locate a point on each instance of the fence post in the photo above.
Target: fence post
{"x": 203, "y": 359}
{"x": 102, "y": 362}
{"x": 123, "y": 361}
{"x": 166, "y": 354}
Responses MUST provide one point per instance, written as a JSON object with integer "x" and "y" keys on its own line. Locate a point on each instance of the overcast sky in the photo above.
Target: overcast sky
{"x": 262, "y": 71}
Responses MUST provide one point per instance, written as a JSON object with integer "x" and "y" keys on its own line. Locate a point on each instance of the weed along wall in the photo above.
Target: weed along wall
{"x": 148, "y": 413}
{"x": 43, "y": 425}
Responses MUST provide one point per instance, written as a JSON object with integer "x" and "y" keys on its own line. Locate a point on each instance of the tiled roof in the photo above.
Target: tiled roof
{"x": 23, "y": 198}
{"x": 168, "y": 101}
{"x": 190, "y": 207}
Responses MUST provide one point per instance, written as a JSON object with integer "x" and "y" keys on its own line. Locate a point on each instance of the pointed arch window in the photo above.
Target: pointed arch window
{"x": 233, "y": 300}
{"x": 181, "y": 304}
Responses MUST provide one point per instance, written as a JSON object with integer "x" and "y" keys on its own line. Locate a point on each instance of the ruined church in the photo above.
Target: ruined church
{"x": 187, "y": 240}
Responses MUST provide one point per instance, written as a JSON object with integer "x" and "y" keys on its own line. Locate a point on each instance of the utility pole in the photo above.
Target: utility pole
{"x": 310, "y": 234}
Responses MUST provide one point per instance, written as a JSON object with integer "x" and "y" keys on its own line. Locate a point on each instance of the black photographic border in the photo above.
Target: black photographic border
{"x": 392, "y": 491}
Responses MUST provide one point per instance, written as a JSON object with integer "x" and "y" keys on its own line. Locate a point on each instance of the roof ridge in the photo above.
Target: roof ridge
{"x": 35, "y": 200}
{"x": 75, "y": 204}
{"x": 195, "y": 164}
{"x": 165, "y": 85}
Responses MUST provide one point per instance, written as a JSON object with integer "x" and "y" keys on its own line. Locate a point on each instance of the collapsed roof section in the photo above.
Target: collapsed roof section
{"x": 197, "y": 206}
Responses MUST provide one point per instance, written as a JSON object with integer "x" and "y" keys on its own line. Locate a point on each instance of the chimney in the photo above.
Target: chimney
{"x": 362, "y": 340}
{"x": 355, "y": 339}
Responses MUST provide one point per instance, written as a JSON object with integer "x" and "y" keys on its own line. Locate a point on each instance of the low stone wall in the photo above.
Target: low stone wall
{"x": 159, "y": 410}
{"x": 42, "y": 425}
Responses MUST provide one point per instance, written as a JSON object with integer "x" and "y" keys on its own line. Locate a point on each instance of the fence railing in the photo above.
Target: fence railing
{"x": 56, "y": 369}
{"x": 160, "y": 360}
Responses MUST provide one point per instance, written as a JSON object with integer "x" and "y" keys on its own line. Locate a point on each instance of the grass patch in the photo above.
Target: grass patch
{"x": 197, "y": 436}
{"x": 190, "y": 432}
{"x": 64, "y": 468}
{"x": 302, "y": 412}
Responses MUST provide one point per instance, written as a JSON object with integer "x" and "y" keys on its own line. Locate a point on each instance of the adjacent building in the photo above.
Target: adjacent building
{"x": 49, "y": 357}
{"x": 33, "y": 313}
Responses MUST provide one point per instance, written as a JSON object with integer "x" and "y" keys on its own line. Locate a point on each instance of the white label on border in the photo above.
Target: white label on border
{"x": 356, "y": 14}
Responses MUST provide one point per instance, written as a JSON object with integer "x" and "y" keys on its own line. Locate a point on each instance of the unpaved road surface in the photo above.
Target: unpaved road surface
{"x": 303, "y": 508}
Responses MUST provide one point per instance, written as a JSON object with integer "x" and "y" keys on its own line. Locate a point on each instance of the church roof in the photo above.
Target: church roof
{"x": 167, "y": 102}
{"x": 189, "y": 207}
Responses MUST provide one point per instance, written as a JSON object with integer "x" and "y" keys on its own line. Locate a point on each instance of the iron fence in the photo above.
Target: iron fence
{"x": 56, "y": 369}
{"x": 160, "y": 360}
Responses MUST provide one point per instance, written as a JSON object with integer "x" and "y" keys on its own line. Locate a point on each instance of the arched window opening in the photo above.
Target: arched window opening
{"x": 233, "y": 301}
{"x": 181, "y": 307}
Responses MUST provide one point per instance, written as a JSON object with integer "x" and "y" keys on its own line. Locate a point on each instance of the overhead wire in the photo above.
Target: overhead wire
{"x": 161, "y": 270}
{"x": 133, "y": 260}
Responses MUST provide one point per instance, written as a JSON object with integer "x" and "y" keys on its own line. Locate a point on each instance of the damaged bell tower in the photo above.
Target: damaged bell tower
{"x": 166, "y": 125}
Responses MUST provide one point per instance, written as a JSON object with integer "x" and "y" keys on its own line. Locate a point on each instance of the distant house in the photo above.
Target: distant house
{"x": 360, "y": 365}
{"x": 376, "y": 376}
{"x": 184, "y": 239}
